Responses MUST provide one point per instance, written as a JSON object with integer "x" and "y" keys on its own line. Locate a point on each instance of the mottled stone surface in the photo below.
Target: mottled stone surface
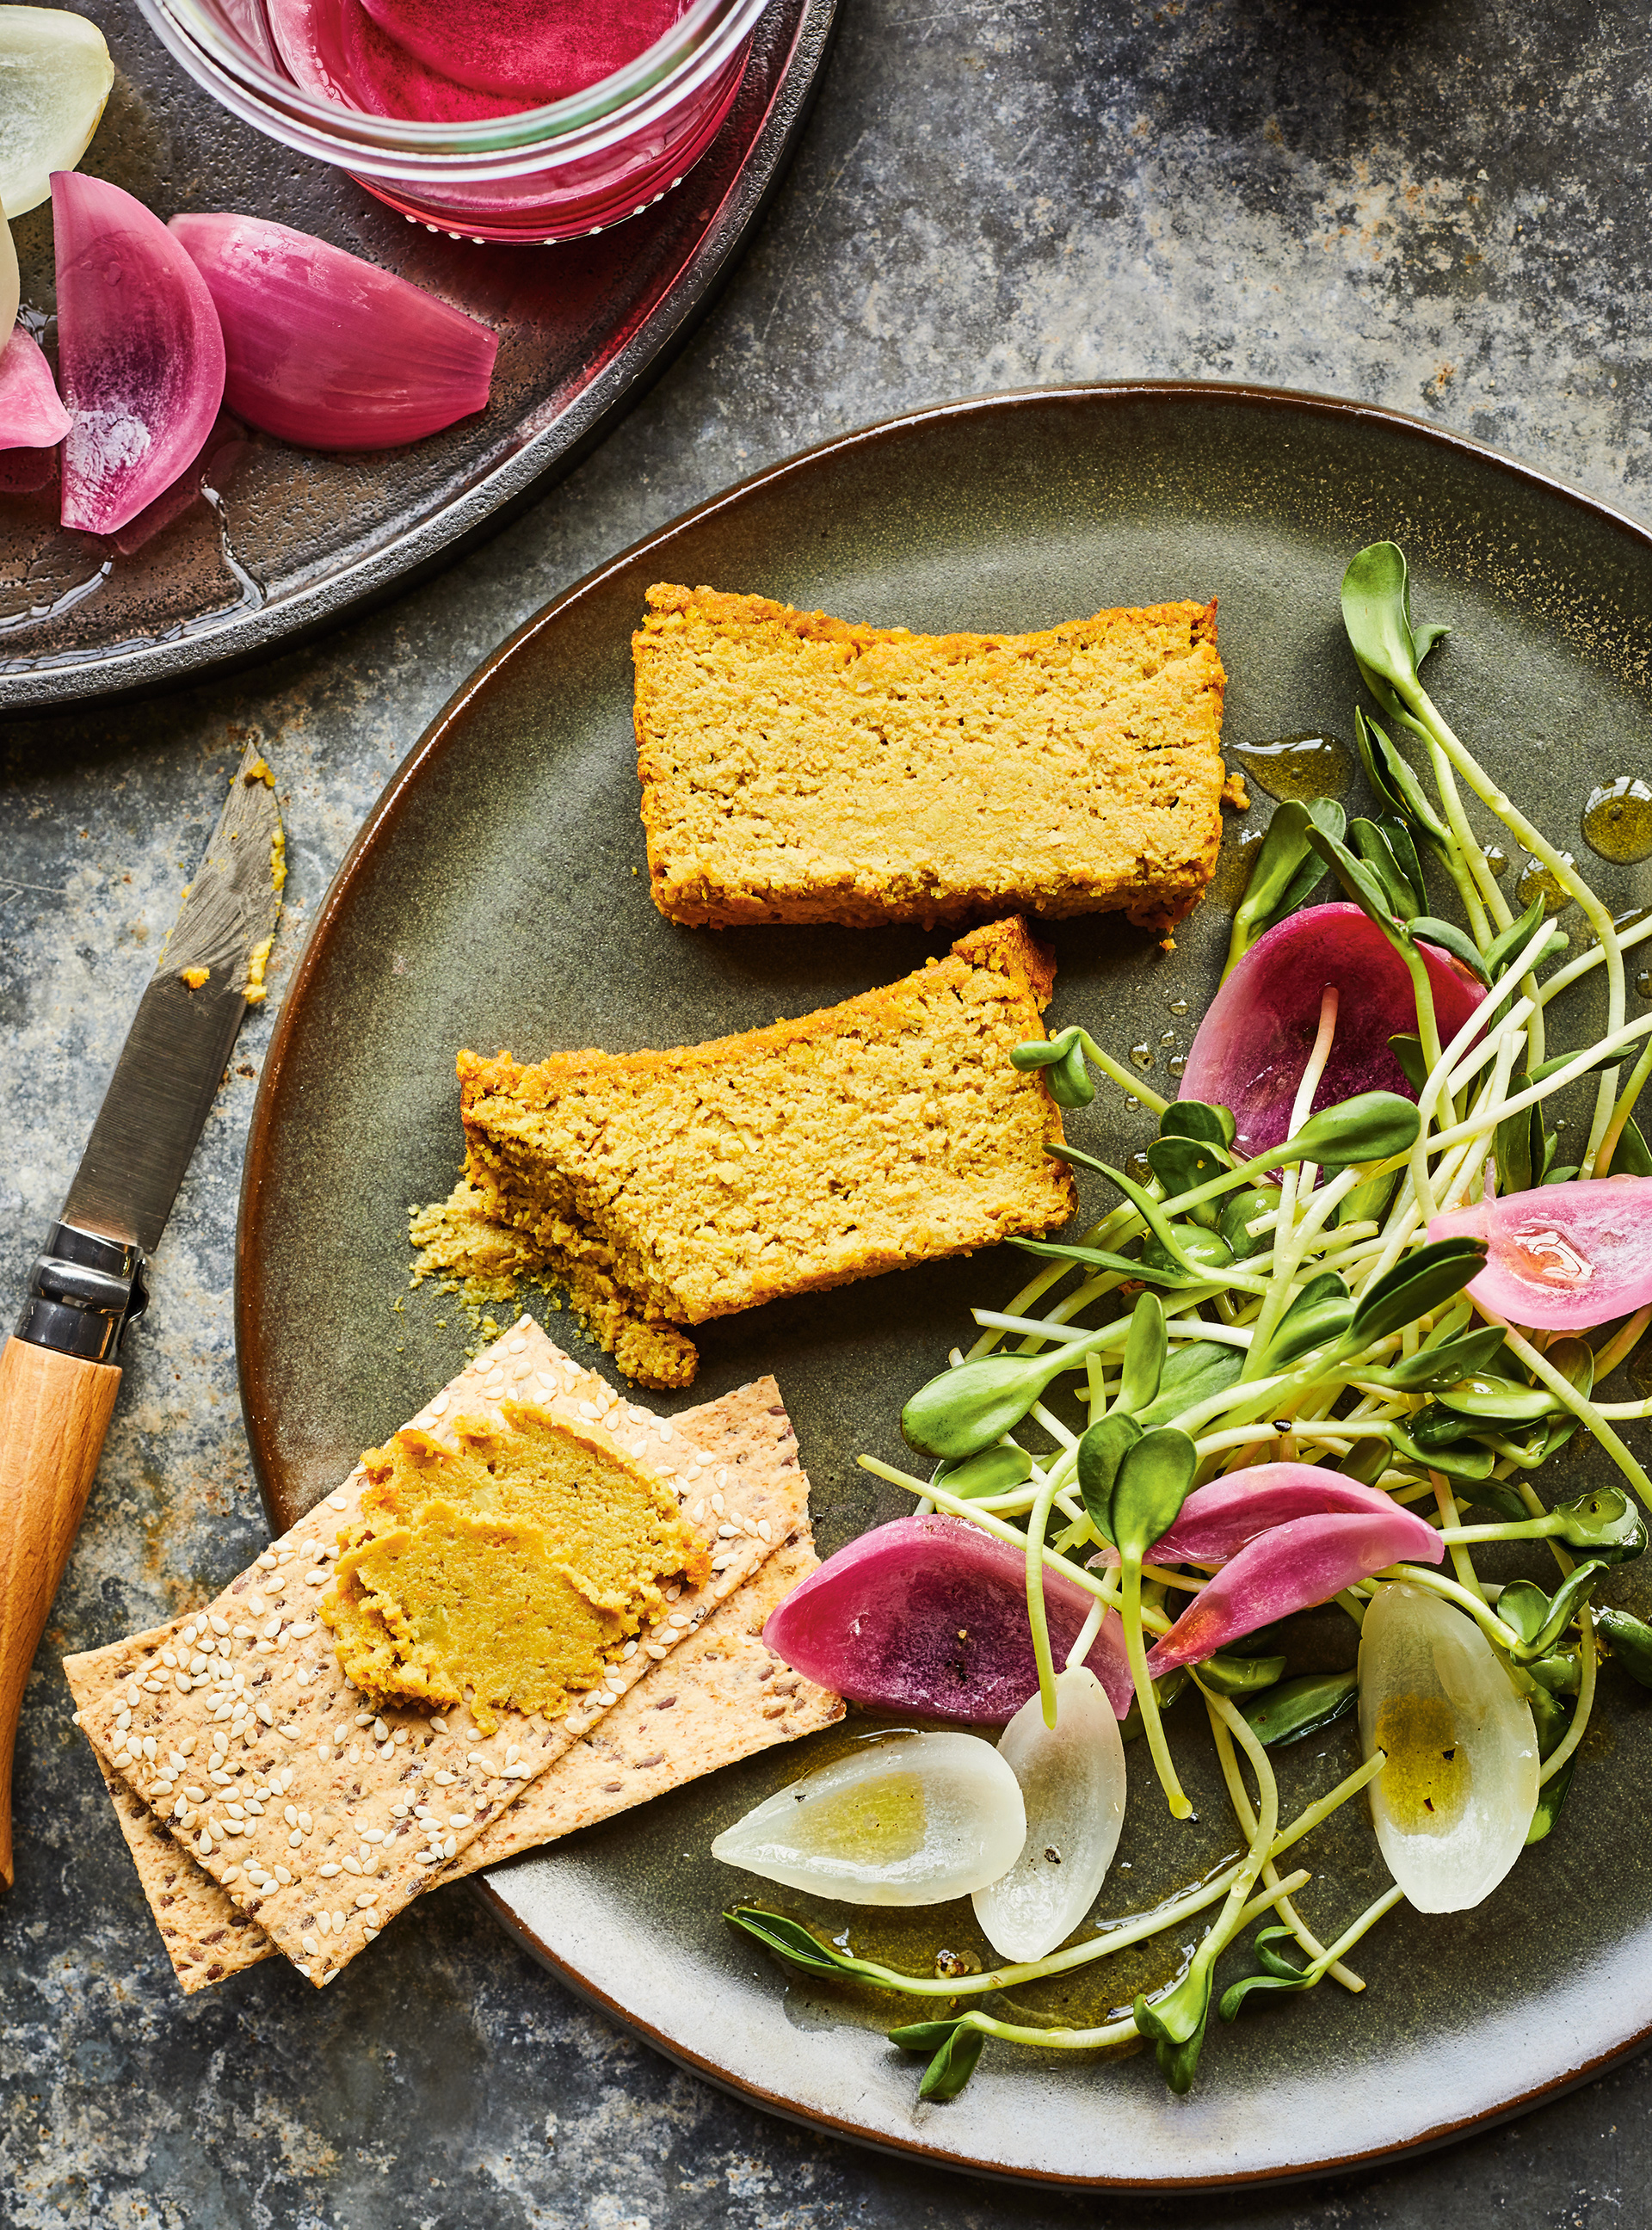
{"x": 1439, "y": 207}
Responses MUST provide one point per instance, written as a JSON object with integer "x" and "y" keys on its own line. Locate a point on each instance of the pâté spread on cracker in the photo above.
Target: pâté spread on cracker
{"x": 555, "y": 1600}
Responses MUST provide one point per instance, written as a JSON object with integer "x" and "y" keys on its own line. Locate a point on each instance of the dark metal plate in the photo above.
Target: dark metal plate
{"x": 304, "y": 540}
{"x": 497, "y": 896}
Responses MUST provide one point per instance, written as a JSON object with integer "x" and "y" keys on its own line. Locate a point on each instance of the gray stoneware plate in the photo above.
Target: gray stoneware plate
{"x": 498, "y": 896}
{"x": 302, "y": 541}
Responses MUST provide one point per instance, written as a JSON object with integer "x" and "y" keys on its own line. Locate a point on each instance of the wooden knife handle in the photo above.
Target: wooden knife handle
{"x": 55, "y": 1411}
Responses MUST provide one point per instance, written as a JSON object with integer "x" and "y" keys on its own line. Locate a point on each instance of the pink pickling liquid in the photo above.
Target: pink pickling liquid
{"x": 462, "y": 62}
{"x": 441, "y": 62}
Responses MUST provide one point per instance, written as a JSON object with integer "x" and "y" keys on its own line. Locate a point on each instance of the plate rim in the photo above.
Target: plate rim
{"x": 486, "y": 506}
{"x": 329, "y": 918}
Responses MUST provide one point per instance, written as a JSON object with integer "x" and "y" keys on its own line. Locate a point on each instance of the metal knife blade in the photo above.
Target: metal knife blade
{"x": 173, "y": 1062}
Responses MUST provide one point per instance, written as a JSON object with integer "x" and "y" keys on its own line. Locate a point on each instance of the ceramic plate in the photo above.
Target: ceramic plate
{"x": 302, "y": 541}
{"x": 498, "y": 896}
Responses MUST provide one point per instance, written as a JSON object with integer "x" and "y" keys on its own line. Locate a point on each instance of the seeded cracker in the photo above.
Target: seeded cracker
{"x": 206, "y": 1936}
{"x": 363, "y": 1813}
{"x": 727, "y": 1697}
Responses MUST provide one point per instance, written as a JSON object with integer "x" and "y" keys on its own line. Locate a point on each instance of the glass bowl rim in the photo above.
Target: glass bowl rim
{"x": 700, "y": 41}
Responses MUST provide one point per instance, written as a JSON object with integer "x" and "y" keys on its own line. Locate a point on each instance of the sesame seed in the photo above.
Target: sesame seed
{"x": 308, "y": 1944}
{"x": 282, "y": 1875}
{"x": 328, "y": 1872}
{"x": 726, "y": 1532}
{"x": 294, "y": 1839}
{"x": 449, "y": 1847}
{"x": 351, "y": 1865}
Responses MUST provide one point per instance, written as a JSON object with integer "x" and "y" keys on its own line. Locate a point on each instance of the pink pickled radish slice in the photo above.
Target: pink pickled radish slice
{"x": 930, "y": 1614}
{"x": 547, "y": 48}
{"x": 330, "y": 353}
{"x": 1217, "y": 1521}
{"x": 1249, "y": 1052}
{"x": 32, "y": 417}
{"x": 1289, "y": 1568}
{"x": 1564, "y": 1256}
{"x": 139, "y": 353}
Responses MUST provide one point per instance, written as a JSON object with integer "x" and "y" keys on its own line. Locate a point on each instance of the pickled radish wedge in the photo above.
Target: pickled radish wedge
{"x": 32, "y": 417}
{"x": 56, "y": 75}
{"x": 930, "y": 1614}
{"x": 139, "y": 353}
{"x": 1249, "y": 1052}
{"x": 913, "y": 1819}
{"x": 1565, "y": 1257}
{"x": 1072, "y": 1779}
{"x": 1453, "y": 1804}
{"x": 327, "y": 351}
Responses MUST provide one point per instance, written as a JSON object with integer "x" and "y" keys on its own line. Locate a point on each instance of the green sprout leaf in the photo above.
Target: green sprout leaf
{"x": 964, "y": 1411}
{"x": 790, "y": 1940}
{"x": 1197, "y": 1118}
{"x": 1371, "y": 842}
{"x": 994, "y": 1471}
{"x": 1407, "y": 1048}
{"x": 1144, "y": 1356}
{"x": 1434, "y": 1369}
{"x": 1362, "y": 885}
{"x": 1067, "y": 1074}
{"x": 1376, "y": 613}
{"x": 1301, "y": 1707}
{"x": 1629, "y": 1640}
{"x": 1391, "y": 779}
{"x": 1540, "y": 1620}
{"x": 1321, "y": 1312}
{"x": 1232, "y": 1675}
{"x": 1286, "y": 873}
{"x": 1152, "y": 1482}
{"x": 956, "y": 2046}
{"x": 1175, "y": 2025}
{"x": 1551, "y": 1797}
{"x": 1240, "y": 1209}
{"x": 1416, "y": 1285}
{"x": 1193, "y": 1373}
{"x": 1278, "y": 1974}
{"x": 1182, "y": 1165}
{"x": 1371, "y": 1127}
{"x": 1450, "y": 938}
{"x": 1097, "y": 1257}
{"x": 1503, "y": 947}
{"x": 1100, "y": 1451}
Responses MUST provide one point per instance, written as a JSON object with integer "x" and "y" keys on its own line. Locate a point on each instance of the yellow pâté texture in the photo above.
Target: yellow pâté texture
{"x": 506, "y": 1571}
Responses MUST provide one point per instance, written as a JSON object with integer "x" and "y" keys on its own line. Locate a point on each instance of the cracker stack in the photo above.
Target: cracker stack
{"x": 268, "y": 1807}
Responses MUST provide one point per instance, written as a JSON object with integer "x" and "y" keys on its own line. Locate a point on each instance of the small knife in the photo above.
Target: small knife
{"x": 58, "y": 1377}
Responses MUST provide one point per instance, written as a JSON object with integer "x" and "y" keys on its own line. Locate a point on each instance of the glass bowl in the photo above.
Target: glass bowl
{"x": 558, "y": 172}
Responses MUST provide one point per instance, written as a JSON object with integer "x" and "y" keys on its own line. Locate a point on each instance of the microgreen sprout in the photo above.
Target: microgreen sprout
{"x": 1234, "y": 1310}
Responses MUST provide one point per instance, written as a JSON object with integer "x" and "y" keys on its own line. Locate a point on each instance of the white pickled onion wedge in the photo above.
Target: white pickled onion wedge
{"x": 10, "y": 294}
{"x": 915, "y": 1819}
{"x": 1072, "y": 1778}
{"x": 55, "y": 77}
{"x": 1454, "y": 1802}
{"x": 327, "y": 351}
{"x": 32, "y": 417}
{"x": 138, "y": 352}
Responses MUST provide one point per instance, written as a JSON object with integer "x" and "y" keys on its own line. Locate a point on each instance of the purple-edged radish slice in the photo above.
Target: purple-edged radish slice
{"x": 327, "y": 351}
{"x": 1217, "y": 1521}
{"x": 913, "y": 1819}
{"x": 1072, "y": 1778}
{"x": 929, "y": 1614}
{"x": 1454, "y": 1802}
{"x": 139, "y": 353}
{"x": 1249, "y": 1052}
{"x": 1565, "y": 1257}
{"x": 32, "y": 417}
{"x": 1289, "y": 1568}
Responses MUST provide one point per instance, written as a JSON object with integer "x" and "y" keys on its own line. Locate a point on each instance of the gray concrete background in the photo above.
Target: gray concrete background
{"x": 1442, "y": 207}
